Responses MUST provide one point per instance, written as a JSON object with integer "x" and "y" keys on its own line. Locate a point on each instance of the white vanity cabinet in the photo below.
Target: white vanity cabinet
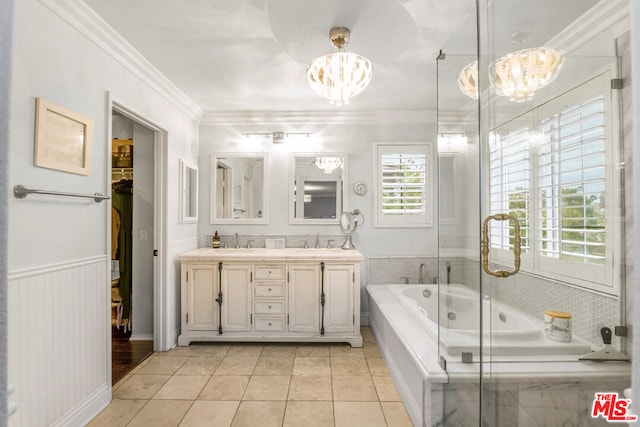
{"x": 270, "y": 295}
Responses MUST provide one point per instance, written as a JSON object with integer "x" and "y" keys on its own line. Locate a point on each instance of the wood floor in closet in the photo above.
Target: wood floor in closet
{"x": 126, "y": 355}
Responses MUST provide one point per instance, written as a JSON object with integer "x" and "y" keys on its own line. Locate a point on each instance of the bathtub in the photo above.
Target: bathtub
{"x": 512, "y": 333}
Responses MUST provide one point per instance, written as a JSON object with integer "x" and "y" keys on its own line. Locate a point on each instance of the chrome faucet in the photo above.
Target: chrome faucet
{"x": 317, "y": 240}
{"x": 237, "y": 245}
{"x": 249, "y": 243}
{"x": 423, "y": 268}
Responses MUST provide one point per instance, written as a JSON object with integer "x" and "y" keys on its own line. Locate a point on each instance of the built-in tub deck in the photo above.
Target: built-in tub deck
{"x": 412, "y": 356}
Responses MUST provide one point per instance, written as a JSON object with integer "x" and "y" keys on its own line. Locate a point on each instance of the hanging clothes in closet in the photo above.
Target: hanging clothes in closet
{"x": 122, "y": 203}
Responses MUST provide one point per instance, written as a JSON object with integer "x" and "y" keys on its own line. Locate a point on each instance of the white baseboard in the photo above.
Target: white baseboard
{"x": 141, "y": 337}
{"x": 87, "y": 409}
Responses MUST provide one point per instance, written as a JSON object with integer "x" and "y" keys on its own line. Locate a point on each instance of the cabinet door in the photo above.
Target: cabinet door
{"x": 202, "y": 290}
{"x": 338, "y": 289}
{"x": 236, "y": 296}
{"x": 304, "y": 298}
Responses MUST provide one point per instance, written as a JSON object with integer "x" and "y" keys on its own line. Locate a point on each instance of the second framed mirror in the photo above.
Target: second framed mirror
{"x": 317, "y": 188}
{"x": 238, "y": 188}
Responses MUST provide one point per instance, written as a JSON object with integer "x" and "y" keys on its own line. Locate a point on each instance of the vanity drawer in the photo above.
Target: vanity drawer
{"x": 269, "y": 306}
{"x": 269, "y": 290}
{"x": 272, "y": 271}
{"x": 269, "y": 323}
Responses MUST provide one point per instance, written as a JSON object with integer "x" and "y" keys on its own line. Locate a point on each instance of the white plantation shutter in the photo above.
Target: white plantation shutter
{"x": 509, "y": 181}
{"x": 571, "y": 181}
{"x": 404, "y": 186}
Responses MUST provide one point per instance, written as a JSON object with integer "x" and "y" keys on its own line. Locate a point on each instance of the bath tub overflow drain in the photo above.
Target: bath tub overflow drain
{"x": 451, "y": 315}
{"x": 502, "y": 317}
{"x": 426, "y": 293}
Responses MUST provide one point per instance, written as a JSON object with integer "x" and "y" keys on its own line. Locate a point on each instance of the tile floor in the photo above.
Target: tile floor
{"x": 258, "y": 384}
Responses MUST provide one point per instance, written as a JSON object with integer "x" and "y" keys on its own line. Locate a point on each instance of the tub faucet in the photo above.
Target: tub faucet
{"x": 423, "y": 268}
{"x": 237, "y": 241}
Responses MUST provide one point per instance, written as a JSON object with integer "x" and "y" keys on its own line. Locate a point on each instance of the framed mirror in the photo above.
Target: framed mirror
{"x": 317, "y": 188}
{"x": 238, "y": 188}
{"x": 188, "y": 192}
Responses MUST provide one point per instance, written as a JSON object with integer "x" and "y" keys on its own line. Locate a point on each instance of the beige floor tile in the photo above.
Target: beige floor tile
{"x": 308, "y": 414}
{"x": 358, "y": 414}
{"x": 386, "y": 389}
{"x": 366, "y": 333}
{"x": 354, "y": 388}
{"x": 164, "y": 365}
{"x": 304, "y": 387}
{"x": 259, "y": 413}
{"x": 272, "y": 387}
{"x": 176, "y": 352}
{"x": 371, "y": 350}
{"x": 161, "y": 413}
{"x": 377, "y": 367}
{"x": 237, "y": 365}
{"x": 182, "y": 387}
{"x": 140, "y": 387}
{"x": 200, "y": 365}
{"x": 209, "y": 349}
{"x": 274, "y": 350}
{"x": 118, "y": 413}
{"x": 224, "y": 388}
{"x": 345, "y": 350}
{"x": 349, "y": 366}
{"x": 210, "y": 413}
{"x": 282, "y": 365}
{"x": 312, "y": 350}
{"x": 143, "y": 363}
{"x": 252, "y": 350}
{"x": 312, "y": 366}
{"x": 395, "y": 414}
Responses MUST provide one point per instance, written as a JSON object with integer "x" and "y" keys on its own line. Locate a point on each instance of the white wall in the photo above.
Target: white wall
{"x": 59, "y": 250}
{"x": 354, "y": 139}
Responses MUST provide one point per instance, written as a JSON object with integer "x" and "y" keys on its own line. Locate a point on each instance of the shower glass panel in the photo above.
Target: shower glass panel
{"x": 532, "y": 264}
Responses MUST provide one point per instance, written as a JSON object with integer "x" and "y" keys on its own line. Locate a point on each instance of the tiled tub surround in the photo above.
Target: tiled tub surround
{"x": 223, "y": 384}
{"x": 523, "y": 393}
{"x": 533, "y": 295}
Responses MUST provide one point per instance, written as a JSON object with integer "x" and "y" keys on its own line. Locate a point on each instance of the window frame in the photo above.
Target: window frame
{"x": 382, "y": 220}
{"x": 605, "y": 278}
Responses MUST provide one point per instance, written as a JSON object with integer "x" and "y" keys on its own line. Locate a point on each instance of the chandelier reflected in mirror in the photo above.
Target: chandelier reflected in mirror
{"x": 339, "y": 76}
{"x": 517, "y": 75}
{"x": 328, "y": 164}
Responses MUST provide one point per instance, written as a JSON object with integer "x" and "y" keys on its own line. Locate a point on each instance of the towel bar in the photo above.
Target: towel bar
{"x": 20, "y": 191}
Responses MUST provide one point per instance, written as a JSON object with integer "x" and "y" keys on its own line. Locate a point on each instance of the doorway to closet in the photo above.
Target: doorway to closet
{"x": 132, "y": 243}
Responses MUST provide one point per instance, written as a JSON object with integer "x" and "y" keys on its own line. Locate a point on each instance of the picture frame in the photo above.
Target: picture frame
{"x": 62, "y": 139}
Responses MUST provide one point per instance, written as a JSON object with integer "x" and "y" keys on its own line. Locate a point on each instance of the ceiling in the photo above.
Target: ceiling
{"x": 251, "y": 55}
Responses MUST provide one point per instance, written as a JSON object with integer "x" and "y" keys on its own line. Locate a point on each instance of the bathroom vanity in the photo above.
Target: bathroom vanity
{"x": 270, "y": 295}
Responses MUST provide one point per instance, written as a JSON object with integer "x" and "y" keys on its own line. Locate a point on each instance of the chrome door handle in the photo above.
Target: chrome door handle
{"x": 517, "y": 245}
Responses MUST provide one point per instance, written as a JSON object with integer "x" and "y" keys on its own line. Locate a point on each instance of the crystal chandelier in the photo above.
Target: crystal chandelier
{"x": 328, "y": 164}
{"x": 468, "y": 80}
{"x": 340, "y": 75}
{"x": 518, "y": 75}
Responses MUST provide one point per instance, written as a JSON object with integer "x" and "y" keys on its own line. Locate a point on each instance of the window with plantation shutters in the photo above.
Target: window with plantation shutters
{"x": 552, "y": 168}
{"x": 404, "y": 184}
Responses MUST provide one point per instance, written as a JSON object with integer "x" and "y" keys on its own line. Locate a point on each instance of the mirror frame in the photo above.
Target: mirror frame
{"x": 188, "y": 188}
{"x": 292, "y": 178}
{"x": 213, "y": 196}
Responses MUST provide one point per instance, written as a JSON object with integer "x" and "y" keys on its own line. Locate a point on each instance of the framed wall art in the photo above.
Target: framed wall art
{"x": 62, "y": 139}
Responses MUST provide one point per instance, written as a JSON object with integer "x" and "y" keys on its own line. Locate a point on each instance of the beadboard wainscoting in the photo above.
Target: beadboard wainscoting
{"x": 59, "y": 342}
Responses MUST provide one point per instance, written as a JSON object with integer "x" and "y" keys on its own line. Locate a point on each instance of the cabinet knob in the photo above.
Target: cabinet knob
{"x": 269, "y": 306}
{"x": 269, "y": 323}
{"x": 269, "y": 272}
{"x": 269, "y": 289}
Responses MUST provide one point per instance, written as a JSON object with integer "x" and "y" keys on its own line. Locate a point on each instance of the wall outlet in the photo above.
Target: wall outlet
{"x": 143, "y": 235}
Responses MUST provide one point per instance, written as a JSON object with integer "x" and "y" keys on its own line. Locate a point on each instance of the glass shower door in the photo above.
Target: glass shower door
{"x": 532, "y": 253}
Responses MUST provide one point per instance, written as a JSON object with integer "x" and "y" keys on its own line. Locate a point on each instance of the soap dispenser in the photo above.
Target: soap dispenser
{"x": 215, "y": 242}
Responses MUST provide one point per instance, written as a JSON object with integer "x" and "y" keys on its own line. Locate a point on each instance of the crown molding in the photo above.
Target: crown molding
{"x": 318, "y": 117}
{"x": 87, "y": 22}
{"x": 605, "y": 15}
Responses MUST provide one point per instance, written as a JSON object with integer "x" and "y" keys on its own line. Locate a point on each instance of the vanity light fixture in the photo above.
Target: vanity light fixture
{"x": 468, "y": 80}
{"x": 276, "y": 137}
{"x": 328, "y": 164}
{"x": 339, "y": 76}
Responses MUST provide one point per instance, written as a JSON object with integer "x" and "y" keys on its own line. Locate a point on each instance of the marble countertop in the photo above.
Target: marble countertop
{"x": 263, "y": 254}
